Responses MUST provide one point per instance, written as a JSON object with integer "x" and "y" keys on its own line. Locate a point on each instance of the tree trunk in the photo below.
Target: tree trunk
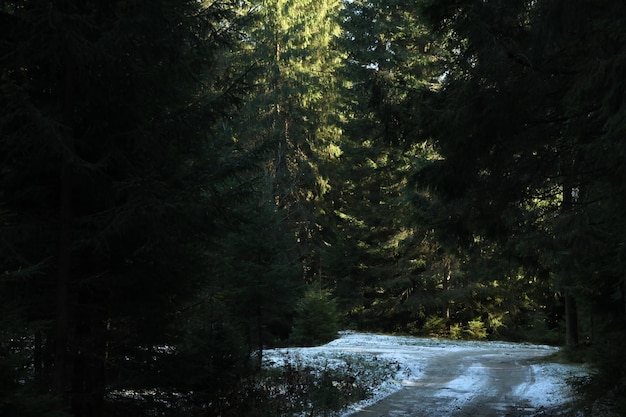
{"x": 61, "y": 334}
{"x": 61, "y": 364}
{"x": 38, "y": 356}
{"x": 88, "y": 384}
{"x": 447, "y": 275}
{"x": 259, "y": 329}
{"x": 569, "y": 198}
{"x": 624, "y": 297}
{"x": 571, "y": 321}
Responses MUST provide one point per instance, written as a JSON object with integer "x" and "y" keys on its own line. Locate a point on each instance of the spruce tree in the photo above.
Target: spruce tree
{"x": 291, "y": 115}
{"x": 110, "y": 177}
{"x": 519, "y": 122}
{"x": 391, "y": 62}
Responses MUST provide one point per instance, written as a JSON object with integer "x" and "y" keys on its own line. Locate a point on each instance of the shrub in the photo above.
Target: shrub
{"x": 317, "y": 319}
{"x": 475, "y": 330}
{"x": 320, "y": 388}
{"x": 456, "y": 332}
{"x": 435, "y": 326}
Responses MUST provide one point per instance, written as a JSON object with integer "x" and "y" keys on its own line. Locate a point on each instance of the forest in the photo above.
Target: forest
{"x": 186, "y": 183}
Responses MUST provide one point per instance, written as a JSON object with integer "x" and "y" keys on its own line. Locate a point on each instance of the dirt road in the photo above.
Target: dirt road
{"x": 476, "y": 383}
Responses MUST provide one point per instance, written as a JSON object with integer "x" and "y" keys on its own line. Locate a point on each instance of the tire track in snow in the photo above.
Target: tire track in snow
{"x": 482, "y": 382}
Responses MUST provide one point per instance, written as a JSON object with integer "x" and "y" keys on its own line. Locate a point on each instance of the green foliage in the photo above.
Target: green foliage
{"x": 435, "y": 326}
{"x": 386, "y": 264}
{"x": 456, "y": 331}
{"x": 260, "y": 276}
{"x": 317, "y": 319}
{"x": 174, "y": 173}
{"x": 535, "y": 329}
{"x": 113, "y": 180}
{"x": 213, "y": 358}
{"x": 528, "y": 184}
{"x": 475, "y": 330}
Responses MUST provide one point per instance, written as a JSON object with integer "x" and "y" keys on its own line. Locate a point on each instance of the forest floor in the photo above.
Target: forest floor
{"x": 434, "y": 377}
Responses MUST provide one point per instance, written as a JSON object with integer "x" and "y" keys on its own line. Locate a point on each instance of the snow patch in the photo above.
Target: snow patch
{"x": 462, "y": 387}
{"x": 404, "y": 358}
{"x": 549, "y": 387}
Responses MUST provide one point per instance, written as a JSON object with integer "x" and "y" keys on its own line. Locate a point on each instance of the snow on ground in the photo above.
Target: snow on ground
{"x": 401, "y": 361}
{"x": 459, "y": 387}
{"x": 550, "y": 387}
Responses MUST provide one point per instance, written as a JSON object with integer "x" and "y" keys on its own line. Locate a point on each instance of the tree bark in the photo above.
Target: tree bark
{"x": 567, "y": 210}
{"x": 447, "y": 275}
{"x": 61, "y": 334}
{"x": 624, "y": 297}
{"x": 61, "y": 365}
{"x": 88, "y": 385}
{"x": 571, "y": 321}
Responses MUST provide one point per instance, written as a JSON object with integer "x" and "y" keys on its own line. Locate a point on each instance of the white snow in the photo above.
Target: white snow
{"x": 461, "y": 388}
{"x": 403, "y": 359}
{"x": 550, "y": 384}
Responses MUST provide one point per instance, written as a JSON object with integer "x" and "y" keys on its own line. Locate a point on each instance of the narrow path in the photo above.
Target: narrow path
{"x": 479, "y": 383}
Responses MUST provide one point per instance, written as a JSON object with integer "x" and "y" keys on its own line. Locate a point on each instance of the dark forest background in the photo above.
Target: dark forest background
{"x": 185, "y": 183}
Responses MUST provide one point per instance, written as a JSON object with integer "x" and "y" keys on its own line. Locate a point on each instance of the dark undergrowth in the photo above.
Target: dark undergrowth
{"x": 603, "y": 391}
{"x": 292, "y": 388}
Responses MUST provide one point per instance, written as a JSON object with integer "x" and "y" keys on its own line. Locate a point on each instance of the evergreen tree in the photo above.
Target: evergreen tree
{"x": 291, "y": 116}
{"x": 111, "y": 180}
{"x": 317, "y": 317}
{"x": 390, "y": 263}
{"x": 519, "y": 129}
{"x": 20, "y": 391}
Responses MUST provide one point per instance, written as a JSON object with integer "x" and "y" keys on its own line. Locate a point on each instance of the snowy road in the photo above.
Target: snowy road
{"x": 483, "y": 383}
{"x": 437, "y": 378}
